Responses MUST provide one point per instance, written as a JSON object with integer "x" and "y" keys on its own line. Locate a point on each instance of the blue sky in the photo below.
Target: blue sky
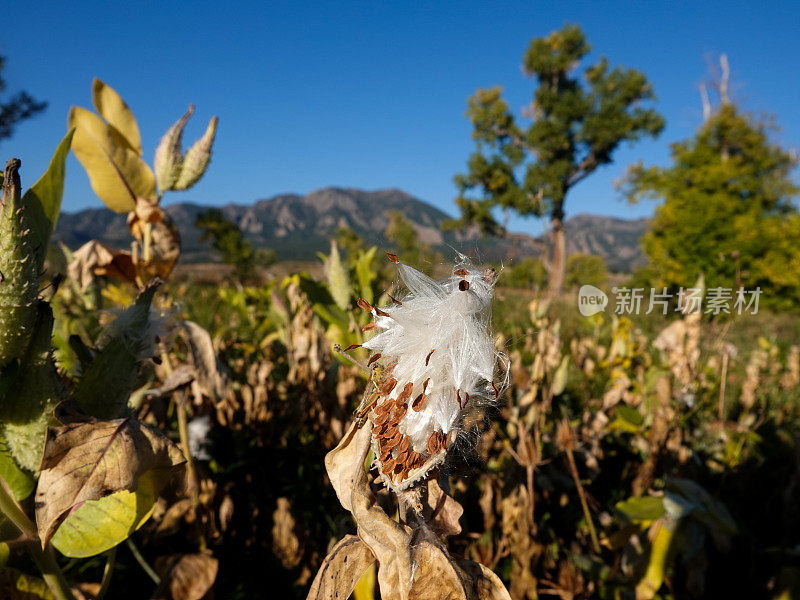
{"x": 371, "y": 94}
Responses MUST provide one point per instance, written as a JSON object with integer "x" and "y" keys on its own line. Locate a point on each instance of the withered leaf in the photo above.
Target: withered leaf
{"x": 165, "y": 240}
{"x": 187, "y": 577}
{"x": 95, "y": 259}
{"x": 87, "y": 461}
{"x": 442, "y": 510}
{"x": 409, "y": 568}
{"x": 341, "y": 569}
{"x": 209, "y": 371}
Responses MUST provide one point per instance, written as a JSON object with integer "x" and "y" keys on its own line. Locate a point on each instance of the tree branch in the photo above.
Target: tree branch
{"x": 515, "y": 139}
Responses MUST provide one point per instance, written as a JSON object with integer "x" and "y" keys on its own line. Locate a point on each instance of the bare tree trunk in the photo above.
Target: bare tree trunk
{"x": 558, "y": 254}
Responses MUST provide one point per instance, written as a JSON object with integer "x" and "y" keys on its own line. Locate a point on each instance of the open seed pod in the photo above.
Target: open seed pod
{"x": 413, "y": 562}
{"x": 437, "y": 362}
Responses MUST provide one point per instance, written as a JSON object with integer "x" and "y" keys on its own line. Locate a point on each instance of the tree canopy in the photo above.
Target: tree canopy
{"x": 727, "y": 210}
{"x": 17, "y": 108}
{"x": 576, "y": 124}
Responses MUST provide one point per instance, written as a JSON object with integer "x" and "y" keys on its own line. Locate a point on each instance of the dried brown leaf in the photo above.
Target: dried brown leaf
{"x": 341, "y": 569}
{"x": 95, "y": 259}
{"x": 165, "y": 240}
{"x": 87, "y": 461}
{"x": 207, "y": 366}
{"x": 186, "y": 577}
{"x": 406, "y": 570}
{"x": 442, "y": 510}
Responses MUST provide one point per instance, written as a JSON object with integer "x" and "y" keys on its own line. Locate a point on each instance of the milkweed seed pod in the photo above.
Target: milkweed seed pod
{"x": 438, "y": 361}
{"x": 19, "y": 277}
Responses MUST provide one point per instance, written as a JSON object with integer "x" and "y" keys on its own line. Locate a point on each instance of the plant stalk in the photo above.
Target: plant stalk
{"x": 582, "y": 495}
{"x": 45, "y": 559}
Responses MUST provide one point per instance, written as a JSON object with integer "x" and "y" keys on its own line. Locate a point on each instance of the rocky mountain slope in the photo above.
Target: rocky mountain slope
{"x": 297, "y": 227}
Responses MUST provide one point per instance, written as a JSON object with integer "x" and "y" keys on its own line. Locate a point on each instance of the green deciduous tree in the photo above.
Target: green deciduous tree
{"x": 576, "y": 125}
{"x": 406, "y": 242}
{"x": 19, "y": 107}
{"x": 727, "y": 210}
{"x": 227, "y": 239}
{"x": 585, "y": 269}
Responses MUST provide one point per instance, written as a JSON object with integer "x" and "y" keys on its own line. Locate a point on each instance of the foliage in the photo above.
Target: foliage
{"x": 528, "y": 273}
{"x": 585, "y": 269}
{"x": 727, "y": 210}
{"x": 16, "y": 109}
{"x": 55, "y": 430}
{"x": 576, "y": 127}
{"x": 108, "y": 145}
{"x": 405, "y": 240}
{"x": 227, "y": 239}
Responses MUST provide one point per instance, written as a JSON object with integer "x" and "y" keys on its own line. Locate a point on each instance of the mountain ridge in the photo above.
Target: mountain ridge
{"x": 298, "y": 226}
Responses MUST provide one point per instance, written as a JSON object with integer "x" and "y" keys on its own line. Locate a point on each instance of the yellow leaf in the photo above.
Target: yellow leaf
{"x": 117, "y": 114}
{"x": 98, "y": 525}
{"x": 117, "y": 174}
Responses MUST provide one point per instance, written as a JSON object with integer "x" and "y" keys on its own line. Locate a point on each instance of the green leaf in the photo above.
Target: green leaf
{"x": 338, "y": 279}
{"x": 20, "y": 483}
{"x": 365, "y": 274}
{"x": 629, "y": 414}
{"x": 117, "y": 174}
{"x": 98, "y": 525}
{"x": 42, "y": 201}
{"x": 560, "y": 377}
{"x": 115, "y": 111}
{"x": 26, "y": 407}
{"x": 641, "y": 510}
{"x": 16, "y": 585}
{"x": 107, "y": 382}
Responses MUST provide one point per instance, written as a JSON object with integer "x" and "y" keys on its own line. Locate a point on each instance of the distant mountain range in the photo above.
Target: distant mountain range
{"x": 297, "y": 227}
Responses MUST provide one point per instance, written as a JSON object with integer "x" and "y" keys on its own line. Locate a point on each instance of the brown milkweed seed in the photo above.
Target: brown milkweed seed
{"x": 463, "y": 285}
{"x": 363, "y": 304}
{"x": 496, "y": 391}
{"x": 461, "y": 272}
{"x": 395, "y": 300}
{"x": 419, "y": 403}
{"x": 406, "y": 393}
{"x": 432, "y": 443}
{"x": 403, "y": 446}
{"x": 369, "y": 327}
{"x": 392, "y": 257}
{"x": 388, "y": 385}
{"x": 373, "y": 358}
{"x": 400, "y": 412}
{"x": 381, "y": 418}
{"x": 428, "y": 358}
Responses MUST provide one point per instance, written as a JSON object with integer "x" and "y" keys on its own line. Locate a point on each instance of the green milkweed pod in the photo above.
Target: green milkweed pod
{"x": 19, "y": 276}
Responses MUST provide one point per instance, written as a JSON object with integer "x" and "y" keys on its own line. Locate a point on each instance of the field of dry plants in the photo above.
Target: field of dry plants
{"x": 161, "y": 438}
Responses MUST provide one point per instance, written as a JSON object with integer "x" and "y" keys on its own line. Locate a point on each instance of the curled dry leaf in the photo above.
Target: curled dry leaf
{"x": 95, "y": 259}
{"x": 187, "y": 577}
{"x": 442, "y": 512}
{"x": 341, "y": 569}
{"x": 87, "y": 461}
{"x": 412, "y": 563}
{"x": 180, "y": 377}
{"x": 208, "y": 370}
{"x": 150, "y": 220}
